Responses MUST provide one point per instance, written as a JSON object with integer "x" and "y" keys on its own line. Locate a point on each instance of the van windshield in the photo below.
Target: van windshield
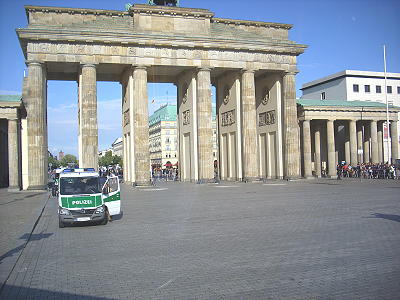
{"x": 79, "y": 185}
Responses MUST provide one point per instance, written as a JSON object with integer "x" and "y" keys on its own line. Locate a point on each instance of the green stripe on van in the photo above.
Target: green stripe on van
{"x": 81, "y": 202}
{"x": 115, "y": 197}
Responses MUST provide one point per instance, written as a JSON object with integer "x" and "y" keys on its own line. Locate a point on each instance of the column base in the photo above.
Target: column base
{"x": 14, "y": 189}
{"x": 141, "y": 183}
{"x": 291, "y": 178}
{"x": 332, "y": 176}
{"x": 206, "y": 180}
{"x": 251, "y": 179}
{"x": 37, "y": 188}
{"x": 309, "y": 177}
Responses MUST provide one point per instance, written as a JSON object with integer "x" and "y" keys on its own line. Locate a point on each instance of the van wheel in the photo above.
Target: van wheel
{"x": 105, "y": 220}
{"x": 60, "y": 224}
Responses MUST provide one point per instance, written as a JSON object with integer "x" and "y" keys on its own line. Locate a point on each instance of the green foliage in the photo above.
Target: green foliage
{"x": 69, "y": 159}
{"x": 54, "y": 162}
{"x": 109, "y": 159}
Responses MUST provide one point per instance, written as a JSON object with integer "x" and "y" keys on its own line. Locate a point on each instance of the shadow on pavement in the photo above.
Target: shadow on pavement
{"x": 395, "y": 218}
{"x": 27, "y": 237}
{"x": 18, "y": 292}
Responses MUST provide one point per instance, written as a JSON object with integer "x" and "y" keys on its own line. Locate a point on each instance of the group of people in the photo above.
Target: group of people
{"x": 168, "y": 174}
{"x": 368, "y": 171}
{"x": 111, "y": 170}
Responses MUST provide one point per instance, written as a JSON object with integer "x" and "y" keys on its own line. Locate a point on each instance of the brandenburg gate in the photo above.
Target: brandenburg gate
{"x": 251, "y": 64}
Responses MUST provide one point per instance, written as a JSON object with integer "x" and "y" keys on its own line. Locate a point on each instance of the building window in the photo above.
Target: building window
{"x": 323, "y": 96}
{"x": 398, "y": 90}
{"x": 389, "y": 89}
{"x": 367, "y": 88}
{"x": 355, "y": 88}
{"x": 378, "y": 89}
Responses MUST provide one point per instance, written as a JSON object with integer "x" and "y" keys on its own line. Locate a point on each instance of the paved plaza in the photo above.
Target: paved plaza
{"x": 318, "y": 239}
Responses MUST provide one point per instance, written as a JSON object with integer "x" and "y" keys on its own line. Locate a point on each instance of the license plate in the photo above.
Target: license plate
{"x": 83, "y": 219}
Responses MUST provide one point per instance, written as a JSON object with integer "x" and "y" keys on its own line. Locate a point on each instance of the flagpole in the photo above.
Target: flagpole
{"x": 387, "y": 107}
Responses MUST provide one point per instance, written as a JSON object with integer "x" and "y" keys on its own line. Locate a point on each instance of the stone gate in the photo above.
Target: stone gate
{"x": 251, "y": 64}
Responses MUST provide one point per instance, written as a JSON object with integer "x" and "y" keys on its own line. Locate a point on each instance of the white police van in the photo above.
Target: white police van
{"x": 83, "y": 197}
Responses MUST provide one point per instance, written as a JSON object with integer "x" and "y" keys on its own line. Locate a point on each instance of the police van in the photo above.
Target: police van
{"x": 84, "y": 196}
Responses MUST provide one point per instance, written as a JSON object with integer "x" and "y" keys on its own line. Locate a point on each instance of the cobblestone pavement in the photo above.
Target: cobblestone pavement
{"x": 18, "y": 213}
{"x": 280, "y": 240}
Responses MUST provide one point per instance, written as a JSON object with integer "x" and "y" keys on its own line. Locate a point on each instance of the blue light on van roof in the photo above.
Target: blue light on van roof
{"x": 89, "y": 169}
{"x": 68, "y": 170}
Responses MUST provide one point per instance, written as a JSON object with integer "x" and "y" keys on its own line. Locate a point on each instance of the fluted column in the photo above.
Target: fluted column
{"x": 249, "y": 126}
{"x": 317, "y": 143}
{"x": 347, "y": 154}
{"x": 88, "y": 130}
{"x": 290, "y": 127}
{"x": 367, "y": 135}
{"x": 36, "y": 107}
{"x": 13, "y": 155}
{"x": 394, "y": 135}
{"x": 307, "y": 149}
{"x": 360, "y": 143}
{"x": 204, "y": 126}
{"x": 380, "y": 142}
{"x": 374, "y": 142}
{"x": 330, "y": 136}
{"x": 353, "y": 142}
{"x": 140, "y": 133}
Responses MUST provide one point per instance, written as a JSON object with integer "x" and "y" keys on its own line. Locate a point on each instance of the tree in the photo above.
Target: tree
{"x": 54, "y": 162}
{"x": 109, "y": 159}
{"x": 69, "y": 159}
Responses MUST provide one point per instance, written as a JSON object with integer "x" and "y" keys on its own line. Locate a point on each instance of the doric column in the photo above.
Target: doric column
{"x": 347, "y": 154}
{"x": 307, "y": 149}
{"x": 394, "y": 135}
{"x": 353, "y": 142}
{"x": 13, "y": 155}
{"x": 374, "y": 142}
{"x": 290, "y": 127}
{"x": 360, "y": 142}
{"x": 317, "y": 142}
{"x": 380, "y": 142}
{"x": 88, "y": 132}
{"x": 367, "y": 135}
{"x": 140, "y": 122}
{"x": 330, "y": 136}
{"x": 249, "y": 126}
{"x": 36, "y": 107}
{"x": 204, "y": 126}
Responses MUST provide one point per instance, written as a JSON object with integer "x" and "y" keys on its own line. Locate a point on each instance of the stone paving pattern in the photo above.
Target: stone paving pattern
{"x": 18, "y": 212}
{"x": 319, "y": 239}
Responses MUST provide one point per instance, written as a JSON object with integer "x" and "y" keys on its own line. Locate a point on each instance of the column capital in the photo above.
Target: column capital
{"x": 139, "y": 67}
{"x": 206, "y": 69}
{"x": 294, "y": 73}
{"x": 89, "y": 65}
{"x": 34, "y": 63}
{"x": 248, "y": 71}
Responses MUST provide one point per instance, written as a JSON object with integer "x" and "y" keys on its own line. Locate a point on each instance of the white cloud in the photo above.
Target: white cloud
{"x": 6, "y": 92}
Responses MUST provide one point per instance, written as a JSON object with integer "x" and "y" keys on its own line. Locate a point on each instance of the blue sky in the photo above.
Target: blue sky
{"x": 341, "y": 34}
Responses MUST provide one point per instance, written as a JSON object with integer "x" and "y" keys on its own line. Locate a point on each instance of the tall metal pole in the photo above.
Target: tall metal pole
{"x": 387, "y": 106}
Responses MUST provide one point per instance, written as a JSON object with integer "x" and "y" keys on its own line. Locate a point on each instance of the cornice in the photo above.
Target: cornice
{"x": 79, "y": 11}
{"x": 171, "y": 11}
{"x": 252, "y": 23}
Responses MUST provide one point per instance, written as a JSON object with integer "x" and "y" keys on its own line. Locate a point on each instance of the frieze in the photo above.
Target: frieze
{"x": 158, "y": 52}
{"x": 266, "y": 118}
{"x": 186, "y": 117}
{"x": 228, "y": 118}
